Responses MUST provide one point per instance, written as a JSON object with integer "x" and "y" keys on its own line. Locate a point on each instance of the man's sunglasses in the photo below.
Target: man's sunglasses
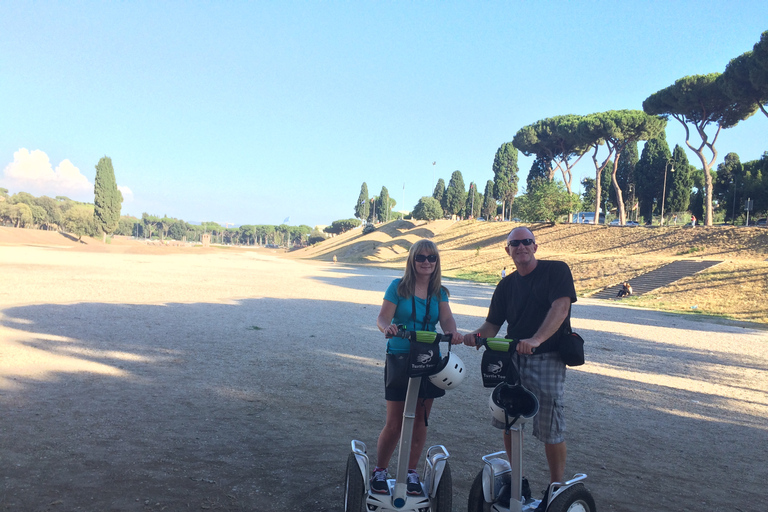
{"x": 421, "y": 258}
{"x": 525, "y": 241}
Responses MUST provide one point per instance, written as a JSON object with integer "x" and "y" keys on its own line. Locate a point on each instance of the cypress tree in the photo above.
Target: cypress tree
{"x": 649, "y": 175}
{"x": 679, "y": 183}
{"x": 489, "y": 203}
{"x": 505, "y": 175}
{"x": 455, "y": 195}
{"x": 107, "y": 198}
{"x": 439, "y": 193}
{"x": 625, "y": 173}
{"x": 362, "y": 208}
{"x": 384, "y": 206}
{"x": 540, "y": 171}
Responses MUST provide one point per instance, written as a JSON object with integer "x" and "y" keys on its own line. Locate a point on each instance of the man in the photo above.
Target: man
{"x": 535, "y": 301}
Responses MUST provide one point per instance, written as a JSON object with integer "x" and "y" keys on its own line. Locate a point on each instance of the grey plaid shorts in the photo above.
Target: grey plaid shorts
{"x": 544, "y": 376}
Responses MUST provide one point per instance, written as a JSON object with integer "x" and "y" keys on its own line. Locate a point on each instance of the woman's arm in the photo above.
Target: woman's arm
{"x": 447, "y": 322}
{"x": 384, "y": 320}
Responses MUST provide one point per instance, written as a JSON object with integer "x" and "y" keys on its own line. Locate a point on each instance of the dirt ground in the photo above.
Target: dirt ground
{"x": 137, "y": 379}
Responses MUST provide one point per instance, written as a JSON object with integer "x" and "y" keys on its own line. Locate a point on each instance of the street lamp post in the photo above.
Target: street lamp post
{"x": 664, "y": 192}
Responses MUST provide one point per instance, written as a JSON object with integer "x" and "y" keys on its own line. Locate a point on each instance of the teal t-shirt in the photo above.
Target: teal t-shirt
{"x": 403, "y": 315}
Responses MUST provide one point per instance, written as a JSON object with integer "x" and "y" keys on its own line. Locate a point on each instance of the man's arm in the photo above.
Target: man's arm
{"x": 487, "y": 330}
{"x": 557, "y": 313}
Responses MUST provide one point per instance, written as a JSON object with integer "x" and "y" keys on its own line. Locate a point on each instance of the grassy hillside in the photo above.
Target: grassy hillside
{"x": 599, "y": 256}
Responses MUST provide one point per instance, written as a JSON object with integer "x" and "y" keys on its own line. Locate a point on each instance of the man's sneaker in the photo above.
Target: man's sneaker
{"x": 379, "y": 481}
{"x": 526, "y": 488}
{"x": 414, "y": 486}
{"x": 543, "y": 505}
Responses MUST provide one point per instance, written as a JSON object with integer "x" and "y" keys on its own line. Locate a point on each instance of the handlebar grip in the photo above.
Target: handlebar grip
{"x": 498, "y": 344}
{"x": 402, "y": 332}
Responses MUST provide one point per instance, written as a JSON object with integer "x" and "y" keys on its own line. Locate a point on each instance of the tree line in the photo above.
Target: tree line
{"x": 658, "y": 182}
{"x": 23, "y": 210}
{"x": 103, "y": 217}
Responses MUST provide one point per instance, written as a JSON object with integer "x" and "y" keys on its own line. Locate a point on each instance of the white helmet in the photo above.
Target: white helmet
{"x": 450, "y": 372}
{"x": 512, "y": 404}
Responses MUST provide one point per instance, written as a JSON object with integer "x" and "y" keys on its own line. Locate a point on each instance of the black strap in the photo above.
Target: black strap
{"x": 427, "y": 316}
{"x": 425, "y": 324}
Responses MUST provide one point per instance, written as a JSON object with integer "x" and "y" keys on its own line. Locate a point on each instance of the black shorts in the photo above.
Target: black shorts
{"x": 427, "y": 390}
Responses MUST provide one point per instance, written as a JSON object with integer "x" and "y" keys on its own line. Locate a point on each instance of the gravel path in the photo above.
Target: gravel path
{"x": 235, "y": 380}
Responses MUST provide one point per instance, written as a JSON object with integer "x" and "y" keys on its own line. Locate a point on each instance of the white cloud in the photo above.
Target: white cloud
{"x": 127, "y": 194}
{"x": 31, "y": 171}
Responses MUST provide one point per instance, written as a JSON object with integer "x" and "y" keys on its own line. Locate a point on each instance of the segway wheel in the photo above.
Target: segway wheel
{"x": 573, "y": 499}
{"x": 443, "y": 499}
{"x": 476, "y": 502}
{"x": 354, "y": 486}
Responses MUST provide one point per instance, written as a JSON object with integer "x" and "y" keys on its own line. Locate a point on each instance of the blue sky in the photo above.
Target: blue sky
{"x": 252, "y": 112}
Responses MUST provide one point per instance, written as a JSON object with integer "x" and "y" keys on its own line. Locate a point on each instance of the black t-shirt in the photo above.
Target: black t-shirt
{"x": 524, "y": 301}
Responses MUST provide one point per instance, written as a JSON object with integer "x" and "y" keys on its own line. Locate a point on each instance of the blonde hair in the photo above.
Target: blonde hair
{"x": 407, "y": 286}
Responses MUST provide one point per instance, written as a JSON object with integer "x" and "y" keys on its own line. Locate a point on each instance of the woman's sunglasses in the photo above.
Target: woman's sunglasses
{"x": 421, "y": 258}
{"x": 525, "y": 241}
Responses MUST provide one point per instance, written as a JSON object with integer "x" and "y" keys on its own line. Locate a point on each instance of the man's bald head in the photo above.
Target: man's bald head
{"x": 522, "y": 230}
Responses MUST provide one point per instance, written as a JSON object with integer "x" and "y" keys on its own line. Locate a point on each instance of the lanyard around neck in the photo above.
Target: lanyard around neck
{"x": 427, "y": 316}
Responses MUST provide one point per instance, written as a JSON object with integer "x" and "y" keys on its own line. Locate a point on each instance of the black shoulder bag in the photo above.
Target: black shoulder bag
{"x": 571, "y": 348}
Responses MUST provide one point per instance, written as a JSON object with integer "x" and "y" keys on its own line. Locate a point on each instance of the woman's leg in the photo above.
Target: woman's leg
{"x": 390, "y": 434}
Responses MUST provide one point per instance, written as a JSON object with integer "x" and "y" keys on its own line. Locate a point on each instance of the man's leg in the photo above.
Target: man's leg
{"x": 556, "y": 454}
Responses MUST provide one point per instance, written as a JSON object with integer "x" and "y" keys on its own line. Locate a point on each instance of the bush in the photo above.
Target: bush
{"x": 428, "y": 208}
{"x": 369, "y": 228}
{"x": 341, "y": 226}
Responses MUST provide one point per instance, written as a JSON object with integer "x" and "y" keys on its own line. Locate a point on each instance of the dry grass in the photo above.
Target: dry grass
{"x": 599, "y": 257}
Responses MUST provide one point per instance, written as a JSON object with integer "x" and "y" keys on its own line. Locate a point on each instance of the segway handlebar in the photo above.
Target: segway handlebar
{"x": 423, "y": 336}
{"x": 497, "y": 344}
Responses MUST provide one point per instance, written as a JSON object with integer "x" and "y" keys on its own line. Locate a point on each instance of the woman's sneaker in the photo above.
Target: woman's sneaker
{"x": 379, "y": 481}
{"x": 414, "y": 485}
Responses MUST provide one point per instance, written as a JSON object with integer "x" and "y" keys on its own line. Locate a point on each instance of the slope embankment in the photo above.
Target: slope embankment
{"x": 599, "y": 256}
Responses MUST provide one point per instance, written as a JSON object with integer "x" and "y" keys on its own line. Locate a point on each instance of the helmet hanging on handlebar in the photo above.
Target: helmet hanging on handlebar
{"x": 450, "y": 372}
{"x": 512, "y": 404}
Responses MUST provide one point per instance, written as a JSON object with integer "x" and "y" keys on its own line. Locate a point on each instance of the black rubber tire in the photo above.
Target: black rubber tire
{"x": 476, "y": 502}
{"x": 574, "y": 499}
{"x": 443, "y": 500}
{"x": 354, "y": 486}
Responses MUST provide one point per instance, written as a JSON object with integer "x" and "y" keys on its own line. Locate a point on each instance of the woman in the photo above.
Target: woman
{"x": 626, "y": 290}
{"x": 419, "y": 288}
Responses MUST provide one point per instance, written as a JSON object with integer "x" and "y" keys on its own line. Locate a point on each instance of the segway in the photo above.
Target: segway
{"x": 437, "y": 490}
{"x": 500, "y": 486}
